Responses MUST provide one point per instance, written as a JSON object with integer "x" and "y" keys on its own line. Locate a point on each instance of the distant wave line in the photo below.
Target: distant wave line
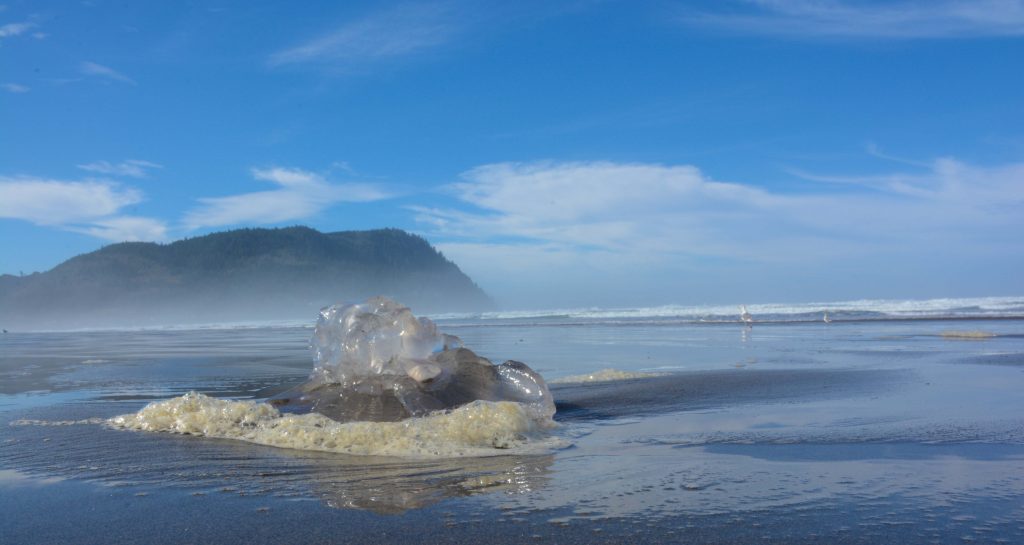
{"x": 857, "y": 311}
{"x": 679, "y": 321}
{"x": 901, "y": 307}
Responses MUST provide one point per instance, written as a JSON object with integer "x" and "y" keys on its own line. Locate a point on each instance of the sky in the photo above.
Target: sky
{"x": 563, "y": 154}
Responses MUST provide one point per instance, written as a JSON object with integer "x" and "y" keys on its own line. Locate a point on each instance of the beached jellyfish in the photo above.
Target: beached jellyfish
{"x": 376, "y": 361}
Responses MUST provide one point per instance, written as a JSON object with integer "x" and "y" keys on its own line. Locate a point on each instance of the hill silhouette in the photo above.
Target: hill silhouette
{"x": 245, "y": 274}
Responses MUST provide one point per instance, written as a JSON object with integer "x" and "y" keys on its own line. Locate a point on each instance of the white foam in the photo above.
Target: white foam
{"x": 986, "y": 306}
{"x": 32, "y": 422}
{"x": 604, "y": 375}
{"x": 480, "y": 428}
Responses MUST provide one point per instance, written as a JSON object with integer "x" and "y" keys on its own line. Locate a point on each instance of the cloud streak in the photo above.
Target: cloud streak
{"x": 15, "y": 88}
{"x": 89, "y": 207}
{"x": 15, "y": 29}
{"x": 946, "y": 181}
{"x": 301, "y": 195}
{"x": 388, "y": 34}
{"x": 905, "y": 19}
{"x": 125, "y": 229}
{"x": 93, "y": 69}
{"x": 133, "y": 168}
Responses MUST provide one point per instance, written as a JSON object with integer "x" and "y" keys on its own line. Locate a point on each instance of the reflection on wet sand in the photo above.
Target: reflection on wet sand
{"x": 396, "y": 486}
{"x": 86, "y": 449}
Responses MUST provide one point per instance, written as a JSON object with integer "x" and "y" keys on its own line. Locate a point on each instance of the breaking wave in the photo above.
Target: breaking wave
{"x": 858, "y": 310}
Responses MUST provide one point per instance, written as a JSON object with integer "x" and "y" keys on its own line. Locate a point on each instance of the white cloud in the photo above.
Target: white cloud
{"x": 597, "y": 189}
{"x": 561, "y": 223}
{"x": 93, "y": 69}
{"x": 88, "y": 207}
{"x": 612, "y": 206}
{"x": 905, "y": 19}
{"x": 302, "y": 194}
{"x": 56, "y": 202}
{"x": 125, "y": 229}
{"x": 591, "y": 233}
{"x": 15, "y": 29}
{"x": 399, "y": 31}
{"x": 134, "y": 168}
{"x": 287, "y": 177}
{"x": 15, "y": 88}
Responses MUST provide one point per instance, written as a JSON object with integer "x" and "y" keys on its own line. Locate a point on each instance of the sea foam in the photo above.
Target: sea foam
{"x": 879, "y": 309}
{"x": 604, "y": 375}
{"x": 481, "y": 428}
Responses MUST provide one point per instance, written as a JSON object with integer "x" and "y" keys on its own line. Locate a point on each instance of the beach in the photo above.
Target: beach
{"x": 877, "y": 427}
{"x": 720, "y": 272}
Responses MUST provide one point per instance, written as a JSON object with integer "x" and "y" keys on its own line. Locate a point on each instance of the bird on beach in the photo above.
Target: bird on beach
{"x": 745, "y": 316}
{"x": 826, "y": 319}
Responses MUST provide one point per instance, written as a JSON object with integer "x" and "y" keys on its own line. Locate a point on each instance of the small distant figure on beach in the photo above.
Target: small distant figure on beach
{"x": 745, "y": 316}
{"x": 826, "y": 318}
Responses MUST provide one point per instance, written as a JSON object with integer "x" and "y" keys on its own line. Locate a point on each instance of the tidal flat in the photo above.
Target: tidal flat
{"x": 849, "y": 432}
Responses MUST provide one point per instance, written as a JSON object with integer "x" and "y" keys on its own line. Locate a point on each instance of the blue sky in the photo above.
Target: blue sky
{"x": 563, "y": 154}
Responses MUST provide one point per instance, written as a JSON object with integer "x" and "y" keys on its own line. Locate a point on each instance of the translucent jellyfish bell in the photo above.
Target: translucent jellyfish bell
{"x": 375, "y": 338}
{"x": 376, "y": 361}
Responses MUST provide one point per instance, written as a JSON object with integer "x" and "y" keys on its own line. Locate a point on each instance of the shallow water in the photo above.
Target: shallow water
{"x": 858, "y": 432}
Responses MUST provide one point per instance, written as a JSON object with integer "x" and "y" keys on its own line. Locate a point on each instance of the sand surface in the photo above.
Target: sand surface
{"x": 801, "y": 433}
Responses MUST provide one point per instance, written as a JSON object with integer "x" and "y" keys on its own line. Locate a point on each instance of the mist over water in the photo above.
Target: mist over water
{"x": 983, "y": 308}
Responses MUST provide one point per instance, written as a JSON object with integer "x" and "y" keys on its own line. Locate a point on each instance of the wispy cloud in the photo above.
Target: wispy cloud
{"x": 395, "y": 32}
{"x": 88, "y": 206}
{"x": 15, "y": 88}
{"x": 93, "y": 69}
{"x": 134, "y": 168}
{"x": 55, "y": 202}
{"x": 302, "y": 194}
{"x": 946, "y": 180}
{"x": 125, "y": 229}
{"x": 15, "y": 29}
{"x": 904, "y": 19}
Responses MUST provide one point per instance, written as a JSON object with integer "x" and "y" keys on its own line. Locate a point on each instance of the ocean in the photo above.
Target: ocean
{"x": 895, "y": 421}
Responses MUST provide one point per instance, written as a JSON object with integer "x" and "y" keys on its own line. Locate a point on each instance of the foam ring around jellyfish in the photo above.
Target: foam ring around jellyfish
{"x": 375, "y": 361}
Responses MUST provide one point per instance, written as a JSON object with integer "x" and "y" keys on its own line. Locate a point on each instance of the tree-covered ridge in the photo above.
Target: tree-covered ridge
{"x": 285, "y": 247}
{"x": 265, "y": 273}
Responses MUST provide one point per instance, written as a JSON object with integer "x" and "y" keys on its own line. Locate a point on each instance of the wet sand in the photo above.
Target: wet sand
{"x": 861, "y": 433}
